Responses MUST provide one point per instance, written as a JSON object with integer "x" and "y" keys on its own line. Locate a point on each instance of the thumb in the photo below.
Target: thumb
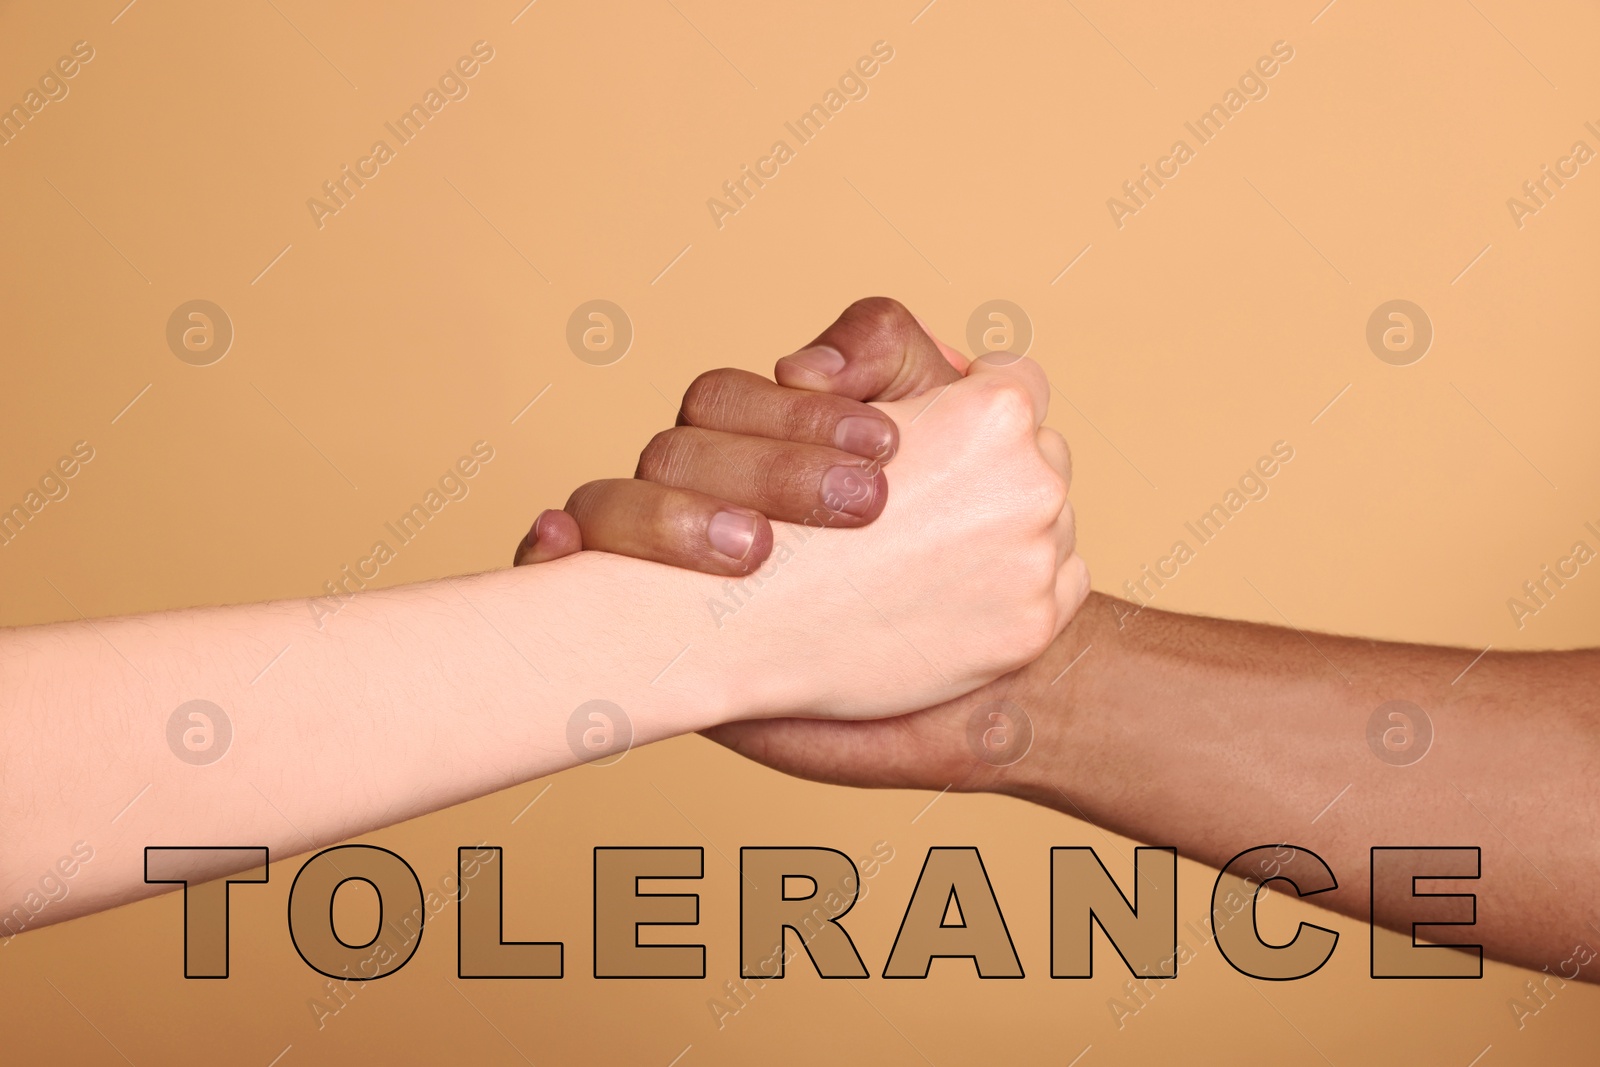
{"x": 876, "y": 350}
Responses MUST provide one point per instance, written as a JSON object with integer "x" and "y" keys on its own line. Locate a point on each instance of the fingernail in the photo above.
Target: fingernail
{"x": 533, "y": 534}
{"x": 530, "y": 538}
{"x": 863, "y": 435}
{"x": 821, "y": 359}
{"x": 848, "y": 489}
{"x": 732, "y": 534}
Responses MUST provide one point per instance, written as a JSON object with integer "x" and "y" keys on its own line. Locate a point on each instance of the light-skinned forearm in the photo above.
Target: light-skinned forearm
{"x": 408, "y": 700}
{"x": 416, "y": 698}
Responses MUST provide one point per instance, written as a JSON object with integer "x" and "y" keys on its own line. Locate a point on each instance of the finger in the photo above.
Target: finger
{"x": 553, "y": 534}
{"x": 874, "y": 351}
{"x": 785, "y": 481}
{"x": 1056, "y": 452}
{"x": 1018, "y": 370}
{"x": 736, "y": 401}
{"x": 952, "y": 357}
{"x": 1072, "y": 589}
{"x": 1066, "y": 534}
{"x": 670, "y": 525}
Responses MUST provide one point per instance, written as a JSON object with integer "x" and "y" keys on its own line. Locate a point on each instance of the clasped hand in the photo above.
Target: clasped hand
{"x": 901, "y": 514}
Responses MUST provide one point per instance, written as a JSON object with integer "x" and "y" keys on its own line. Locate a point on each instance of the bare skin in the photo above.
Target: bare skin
{"x": 411, "y": 699}
{"x": 1209, "y": 735}
{"x": 1214, "y": 736}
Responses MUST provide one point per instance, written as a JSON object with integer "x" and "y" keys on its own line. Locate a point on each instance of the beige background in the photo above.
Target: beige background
{"x": 1226, "y": 315}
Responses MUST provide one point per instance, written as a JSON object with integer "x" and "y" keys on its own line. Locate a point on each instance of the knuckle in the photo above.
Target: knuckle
{"x": 1082, "y": 580}
{"x": 673, "y": 527}
{"x": 655, "y": 513}
{"x": 881, "y": 317}
{"x": 1067, "y": 536}
{"x": 1053, "y": 494}
{"x": 663, "y": 457}
{"x": 581, "y": 504}
{"x": 1005, "y": 405}
{"x": 807, "y": 418}
{"x": 773, "y": 475}
{"x": 1056, "y": 450}
{"x": 705, "y": 397}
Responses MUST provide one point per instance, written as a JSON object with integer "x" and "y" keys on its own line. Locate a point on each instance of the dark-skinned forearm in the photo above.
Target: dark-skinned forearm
{"x": 1215, "y": 736}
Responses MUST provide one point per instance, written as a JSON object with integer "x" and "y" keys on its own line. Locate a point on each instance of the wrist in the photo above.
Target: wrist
{"x": 635, "y": 633}
{"x": 1057, "y": 692}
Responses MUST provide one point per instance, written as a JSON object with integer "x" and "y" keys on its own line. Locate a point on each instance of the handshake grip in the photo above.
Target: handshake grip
{"x": 966, "y": 570}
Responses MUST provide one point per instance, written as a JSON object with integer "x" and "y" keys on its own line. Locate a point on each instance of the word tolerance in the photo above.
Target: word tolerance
{"x": 1143, "y": 931}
